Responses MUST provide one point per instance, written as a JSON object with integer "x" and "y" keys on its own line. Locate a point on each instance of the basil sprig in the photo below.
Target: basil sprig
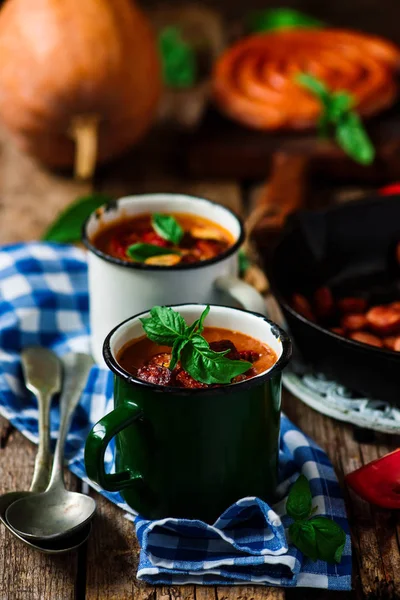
{"x": 178, "y": 59}
{"x": 141, "y": 251}
{"x": 167, "y": 327}
{"x": 316, "y": 537}
{"x": 67, "y": 227}
{"x": 167, "y": 227}
{"x": 340, "y": 120}
{"x": 280, "y": 18}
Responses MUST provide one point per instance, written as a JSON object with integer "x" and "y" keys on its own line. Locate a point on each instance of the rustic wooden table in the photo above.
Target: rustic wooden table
{"x": 105, "y": 569}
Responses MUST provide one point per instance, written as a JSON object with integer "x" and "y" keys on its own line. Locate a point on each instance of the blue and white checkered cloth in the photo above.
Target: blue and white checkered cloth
{"x": 44, "y": 300}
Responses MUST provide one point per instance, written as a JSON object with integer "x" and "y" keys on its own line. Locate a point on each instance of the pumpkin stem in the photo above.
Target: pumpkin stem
{"x": 84, "y": 131}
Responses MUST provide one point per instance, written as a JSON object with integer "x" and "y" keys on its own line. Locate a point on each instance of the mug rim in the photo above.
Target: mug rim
{"x": 113, "y": 204}
{"x": 280, "y": 364}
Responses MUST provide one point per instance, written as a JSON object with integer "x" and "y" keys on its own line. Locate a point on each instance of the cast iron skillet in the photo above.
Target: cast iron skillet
{"x": 349, "y": 248}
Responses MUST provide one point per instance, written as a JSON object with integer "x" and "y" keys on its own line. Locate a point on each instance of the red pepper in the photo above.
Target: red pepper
{"x": 378, "y": 482}
{"x": 117, "y": 248}
{"x": 389, "y": 190}
{"x": 151, "y": 237}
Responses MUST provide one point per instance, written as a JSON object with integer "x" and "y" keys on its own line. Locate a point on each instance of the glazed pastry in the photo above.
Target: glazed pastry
{"x": 254, "y": 80}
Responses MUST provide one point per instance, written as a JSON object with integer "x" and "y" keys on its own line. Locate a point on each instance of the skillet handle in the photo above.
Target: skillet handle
{"x": 284, "y": 193}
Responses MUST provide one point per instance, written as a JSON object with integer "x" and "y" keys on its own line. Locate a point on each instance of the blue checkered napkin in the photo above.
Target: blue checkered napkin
{"x": 44, "y": 300}
{"x": 247, "y": 544}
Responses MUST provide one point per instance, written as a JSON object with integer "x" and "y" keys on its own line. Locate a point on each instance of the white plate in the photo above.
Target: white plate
{"x": 334, "y": 400}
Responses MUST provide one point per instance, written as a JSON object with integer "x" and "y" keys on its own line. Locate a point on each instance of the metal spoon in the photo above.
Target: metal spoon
{"x": 57, "y": 512}
{"x": 42, "y": 373}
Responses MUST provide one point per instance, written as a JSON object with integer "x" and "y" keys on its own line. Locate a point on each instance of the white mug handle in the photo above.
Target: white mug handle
{"x": 242, "y": 292}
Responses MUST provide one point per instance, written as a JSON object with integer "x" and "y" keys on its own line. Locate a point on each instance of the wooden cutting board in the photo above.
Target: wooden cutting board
{"x": 219, "y": 147}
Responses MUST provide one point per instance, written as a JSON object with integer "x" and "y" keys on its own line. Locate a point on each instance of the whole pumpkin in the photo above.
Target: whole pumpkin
{"x": 79, "y": 81}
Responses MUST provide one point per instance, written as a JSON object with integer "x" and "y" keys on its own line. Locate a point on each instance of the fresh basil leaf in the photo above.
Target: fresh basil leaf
{"x": 339, "y": 103}
{"x": 207, "y": 366}
{"x": 244, "y": 262}
{"x": 319, "y": 538}
{"x": 314, "y": 85}
{"x": 303, "y": 536}
{"x": 353, "y": 139}
{"x": 67, "y": 228}
{"x": 167, "y": 227}
{"x": 177, "y": 348}
{"x": 203, "y": 315}
{"x": 334, "y": 107}
{"x": 299, "y": 502}
{"x": 330, "y": 539}
{"x": 164, "y": 325}
{"x": 142, "y": 251}
{"x": 350, "y": 134}
{"x": 178, "y": 59}
{"x": 279, "y": 18}
{"x": 198, "y": 326}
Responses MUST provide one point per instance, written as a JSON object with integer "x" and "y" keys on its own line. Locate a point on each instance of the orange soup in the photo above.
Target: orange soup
{"x": 149, "y": 361}
{"x": 163, "y": 239}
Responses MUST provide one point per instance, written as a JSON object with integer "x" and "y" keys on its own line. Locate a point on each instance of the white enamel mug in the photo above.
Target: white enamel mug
{"x": 119, "y": 288}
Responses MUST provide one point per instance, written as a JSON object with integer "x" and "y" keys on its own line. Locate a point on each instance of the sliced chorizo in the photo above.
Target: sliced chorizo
{"x": 183, "y": 379}
{"x": 354, "y": 322}
{"x": 352, "y": 305}
{"x": 222, "y": 345}
{"x": 392, "y": 343}
{"x": 162, "y": 359}
{"x": 323, "y": 302}
{"x": 389, "y": 342}
{"x": 249, "y": 355}
{"x": 384, "y": 320}
{"x": 155, "y": 374}
{"x": 366, "y": 338}
{"x": 302, "y": 306}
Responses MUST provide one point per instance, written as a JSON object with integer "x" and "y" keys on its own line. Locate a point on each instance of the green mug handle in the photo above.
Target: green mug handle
{"x": 96, "y": 444}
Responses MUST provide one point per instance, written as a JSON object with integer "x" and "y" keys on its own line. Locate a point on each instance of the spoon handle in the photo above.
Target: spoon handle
{"x": 42, "y": 373}
{"x": 41, "y": 473}
{"x": 76, "y": 368}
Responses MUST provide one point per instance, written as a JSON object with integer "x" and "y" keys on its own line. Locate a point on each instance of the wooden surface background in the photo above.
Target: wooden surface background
{"x": 105, "y": 569}
{"x": 30, "y": 198}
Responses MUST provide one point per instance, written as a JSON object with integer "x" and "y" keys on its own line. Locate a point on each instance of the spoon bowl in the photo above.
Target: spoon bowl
{"x": 49, "y": 516}
{"x": 57, "y": 546}
{"x": 42, "y": 371}
{"x": 56, "y": 512}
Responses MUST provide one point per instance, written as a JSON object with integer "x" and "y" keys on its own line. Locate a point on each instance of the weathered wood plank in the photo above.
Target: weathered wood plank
{"x": 206, "y": 593}
{"x": 25, "y": 573}
{"x": 374, "y": 531}
{"x": 250, "y": 592}
{"x": 112, "y": 556}
{"x": 173, "y": 592}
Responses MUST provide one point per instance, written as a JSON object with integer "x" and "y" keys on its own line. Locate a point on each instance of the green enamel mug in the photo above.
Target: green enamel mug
{"x": 191, "y": 453}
